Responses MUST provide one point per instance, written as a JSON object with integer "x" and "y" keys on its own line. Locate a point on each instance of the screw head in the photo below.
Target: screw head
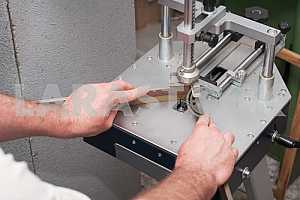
{"x": 282, "y": 92}
{"x": 134, "y": 123}
{"x": 251, "y": 135}
{"x": 247, "y": 99}
{"x": 263, "y": 121}
{"x": 173, "y": 141}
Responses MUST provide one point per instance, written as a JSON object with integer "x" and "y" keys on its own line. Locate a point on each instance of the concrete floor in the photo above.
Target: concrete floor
{"x": 146, "y": 39}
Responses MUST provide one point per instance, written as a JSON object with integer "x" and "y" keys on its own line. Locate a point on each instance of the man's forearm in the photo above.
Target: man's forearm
{"x": 183, "y": 184}
{"x": 24, "y": 118}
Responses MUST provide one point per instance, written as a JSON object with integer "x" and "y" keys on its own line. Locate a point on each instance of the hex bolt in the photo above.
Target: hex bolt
{"x": 246, "y": 173}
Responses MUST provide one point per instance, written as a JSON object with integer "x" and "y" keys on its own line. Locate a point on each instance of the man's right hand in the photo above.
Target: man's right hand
{"x": 204, "y": 163}
{"x": 208, "y": 151}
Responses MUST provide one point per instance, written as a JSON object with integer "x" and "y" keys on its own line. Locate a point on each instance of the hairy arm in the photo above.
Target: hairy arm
{"x": 183, "y": 184}
{"x": 88, "y": 111}
{"x": 204, "y": 163}
{"x": 21, "y": 118}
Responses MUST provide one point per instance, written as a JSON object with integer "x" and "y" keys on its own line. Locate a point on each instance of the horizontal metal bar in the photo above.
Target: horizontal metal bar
{"x": 248, "y": 28}
{"x": 243, "y": 66}
{"x": 213, "y": 51}
{"x": 250, "y": 59}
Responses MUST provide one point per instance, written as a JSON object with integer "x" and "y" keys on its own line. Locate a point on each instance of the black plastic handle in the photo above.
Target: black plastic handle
{"x": 209, "y": 5}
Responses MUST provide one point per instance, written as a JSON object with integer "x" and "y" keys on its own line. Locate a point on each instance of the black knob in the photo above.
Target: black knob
{"x": 209, "y": 5}
{"x": 211, "y": 39}
{"x": 284, "y": 27}
{"x": 258, "y": 14}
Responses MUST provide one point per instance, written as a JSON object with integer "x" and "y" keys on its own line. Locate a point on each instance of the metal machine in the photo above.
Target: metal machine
{"x": 227, "y": 62}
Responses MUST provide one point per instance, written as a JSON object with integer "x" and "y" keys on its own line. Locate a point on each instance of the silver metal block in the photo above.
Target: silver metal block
{"x": 248, "y": 28}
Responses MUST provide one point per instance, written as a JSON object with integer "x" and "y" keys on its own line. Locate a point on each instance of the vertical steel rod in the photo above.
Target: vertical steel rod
{"x": 188, "y": 72}
{"x": 266, "y": 78}
{"x": 187, "y": 57}
{"x": 165, "y": 36}
{"x": 188, "y": 49}
{"x": 166, "y": 22}
{"x": 188, "y": 14}
{"x": 268, "y": 61}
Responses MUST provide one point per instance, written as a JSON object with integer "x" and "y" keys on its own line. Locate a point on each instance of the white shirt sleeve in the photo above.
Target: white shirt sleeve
{"x": 17, "y": 182}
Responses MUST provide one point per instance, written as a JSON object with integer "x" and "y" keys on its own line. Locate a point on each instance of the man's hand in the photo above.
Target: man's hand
{"x": 208, "y": 151}
{"x": 92, "y": 108}
{"x": 88, "y": 111}
{"x": 205, "y": 162}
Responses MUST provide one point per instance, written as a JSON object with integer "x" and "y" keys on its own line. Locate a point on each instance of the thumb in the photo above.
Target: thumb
{"x": 204, "y": 120}
{"x": 111, "y": 118}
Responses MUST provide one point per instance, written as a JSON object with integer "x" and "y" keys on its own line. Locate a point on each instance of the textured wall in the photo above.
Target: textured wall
{"x": 68, "y": 42}
{"x": 8, "y": 78}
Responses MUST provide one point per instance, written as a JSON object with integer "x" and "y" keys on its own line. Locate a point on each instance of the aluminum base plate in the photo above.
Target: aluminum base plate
{"x": 238, "y": 110}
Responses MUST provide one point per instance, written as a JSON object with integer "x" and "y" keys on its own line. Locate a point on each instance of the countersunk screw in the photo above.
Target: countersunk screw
{"x": 282, "y": 92}
{"x": 263, "y": 121}
{"x": 173, "y": 142}
{"x": 250, "y": 135}
{"x": 134, "y": 123}
{"x": 247, "y": 99}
